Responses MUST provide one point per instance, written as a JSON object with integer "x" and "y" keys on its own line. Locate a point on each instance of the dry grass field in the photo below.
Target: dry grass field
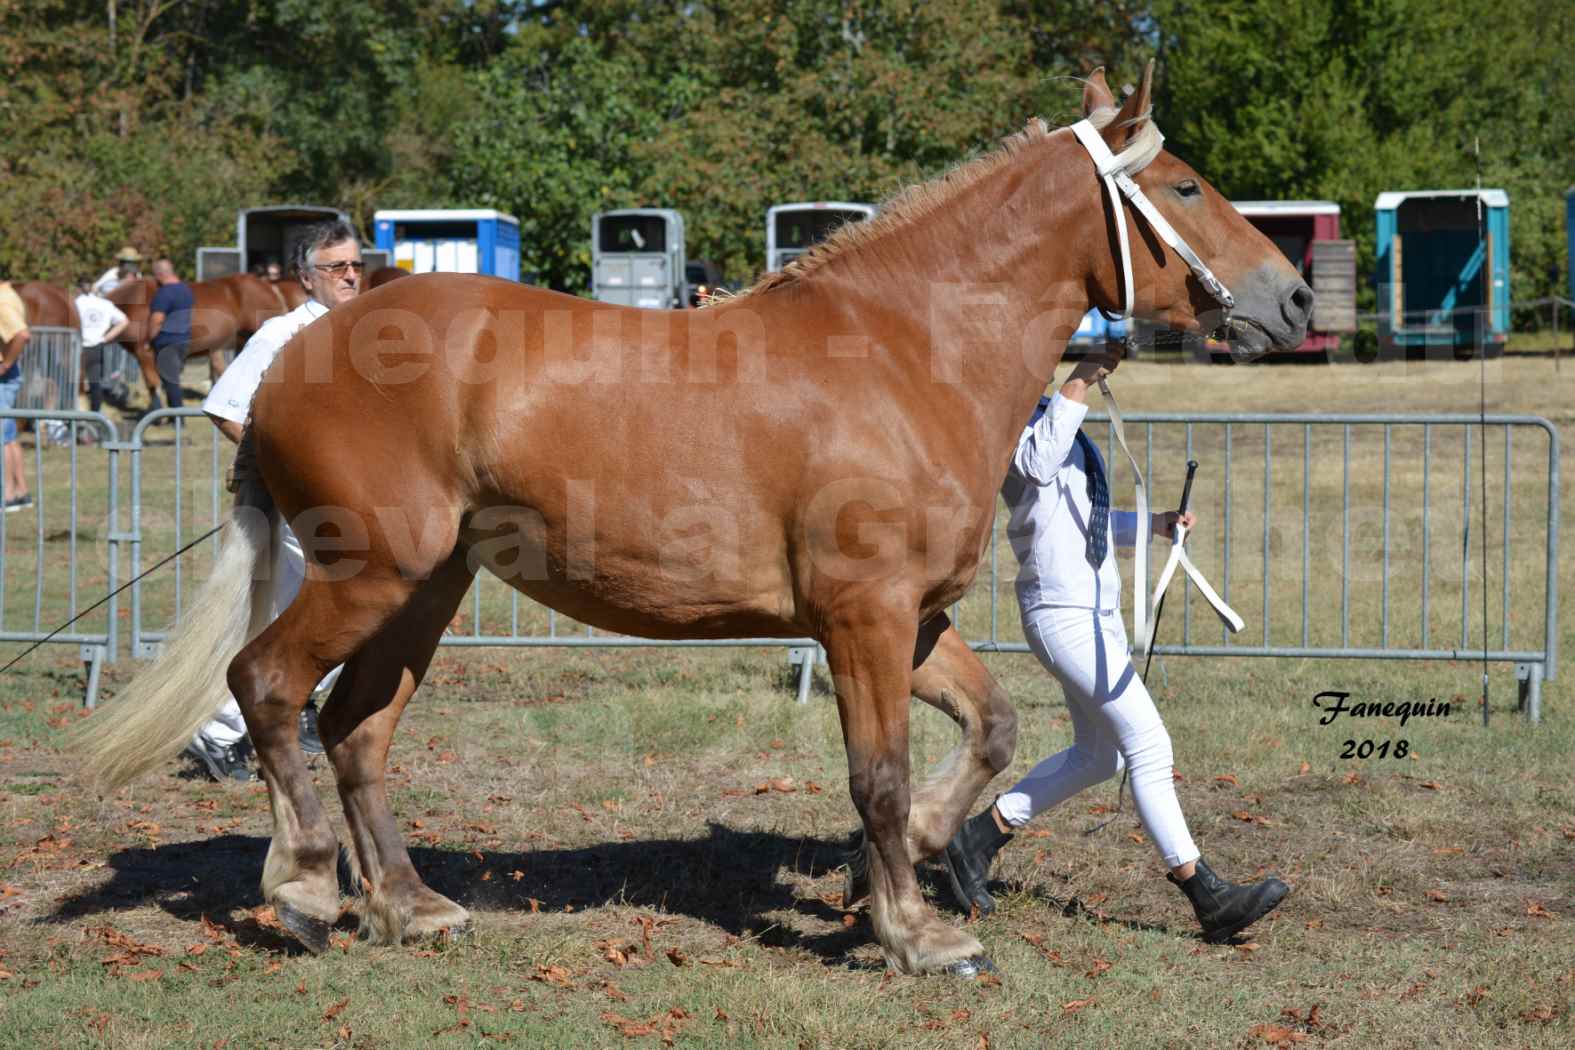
{"x": 650, "y": 840}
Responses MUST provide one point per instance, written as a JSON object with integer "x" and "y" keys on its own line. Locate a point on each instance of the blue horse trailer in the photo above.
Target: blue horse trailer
{"x": 1442, "y": 282}
{"x": 435, "y": 240}
{"x": 1095, "y": 330}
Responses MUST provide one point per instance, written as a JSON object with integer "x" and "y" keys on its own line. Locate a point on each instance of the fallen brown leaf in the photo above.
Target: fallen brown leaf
{"x": 1077, "y": 1004}
{"x": 336, "y": 1009}
{"x": 1276, "y": 1035}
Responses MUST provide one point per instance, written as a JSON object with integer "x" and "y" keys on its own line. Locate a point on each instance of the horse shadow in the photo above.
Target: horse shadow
{"x": 728, "y": 879}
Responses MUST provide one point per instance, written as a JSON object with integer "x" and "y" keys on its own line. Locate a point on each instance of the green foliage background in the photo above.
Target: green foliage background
{"x": 152, "y": 121}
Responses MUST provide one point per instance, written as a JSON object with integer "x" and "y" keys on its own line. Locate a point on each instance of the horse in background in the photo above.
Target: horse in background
{"x": 225, "y": 312}
{"x": 384, "y": 275}
{"x": 48, "y": 305}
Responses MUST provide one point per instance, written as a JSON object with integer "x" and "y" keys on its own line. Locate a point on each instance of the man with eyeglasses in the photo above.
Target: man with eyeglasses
{"x": 327, "y": 261}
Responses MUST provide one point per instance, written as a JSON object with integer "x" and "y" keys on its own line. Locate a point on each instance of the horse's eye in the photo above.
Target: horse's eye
{"x": 1188, "y": 188}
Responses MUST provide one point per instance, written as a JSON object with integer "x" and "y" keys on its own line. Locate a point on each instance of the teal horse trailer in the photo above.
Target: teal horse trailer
{"x": 637, "y": 257}
{"x": 1443, "y": 279}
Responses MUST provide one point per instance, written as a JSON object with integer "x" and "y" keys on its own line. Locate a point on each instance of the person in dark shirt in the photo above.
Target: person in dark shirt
{"x": 169, "y": 327}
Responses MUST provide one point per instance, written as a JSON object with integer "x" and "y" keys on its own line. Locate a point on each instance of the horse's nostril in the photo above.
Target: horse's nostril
{"x": 1301, "y": 302}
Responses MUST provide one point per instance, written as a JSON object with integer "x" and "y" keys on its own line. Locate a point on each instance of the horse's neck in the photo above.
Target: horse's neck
{"x": 993, "y": 284}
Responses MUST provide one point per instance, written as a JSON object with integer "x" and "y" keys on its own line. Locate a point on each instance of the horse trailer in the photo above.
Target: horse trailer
{"x": 637, "y": 257}
{"x": 270, "y": 233}
{"x": 1443, "y": 270}
{"x": 450, "y": 241}
{"x": 1569, "y": 235}
{"x": 793, "y": 229}
{"x": 1307, "y": 233}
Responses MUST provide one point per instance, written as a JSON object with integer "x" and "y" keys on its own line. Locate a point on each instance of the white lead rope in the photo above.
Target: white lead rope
{"x": 1145, "y": 605}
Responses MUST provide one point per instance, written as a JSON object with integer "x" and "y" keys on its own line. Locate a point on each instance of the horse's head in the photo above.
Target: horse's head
{"x": 1272, "y": 302}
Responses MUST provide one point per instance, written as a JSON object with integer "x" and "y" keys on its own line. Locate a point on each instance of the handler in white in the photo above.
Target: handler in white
{"x": 102, "y": 323}
{"x": 328, "y": 264}
{"x": 1068, "y": 591}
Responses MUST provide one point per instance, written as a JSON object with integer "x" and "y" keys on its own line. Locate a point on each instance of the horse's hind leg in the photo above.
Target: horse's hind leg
{"x": 870, "y": 661}
{"x": 272, "y": 679}
{"x": 951, "y": 678}
{"x": 357, "y": 725}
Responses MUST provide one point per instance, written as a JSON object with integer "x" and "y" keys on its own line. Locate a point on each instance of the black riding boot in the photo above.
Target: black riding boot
{"x": 968, "y": 858}
{"x": 1226, "y": 908}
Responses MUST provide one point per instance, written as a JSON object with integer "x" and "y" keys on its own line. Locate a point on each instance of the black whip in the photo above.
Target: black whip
{"x": 1159, "y": 608}
{"x": 158, "y": 565}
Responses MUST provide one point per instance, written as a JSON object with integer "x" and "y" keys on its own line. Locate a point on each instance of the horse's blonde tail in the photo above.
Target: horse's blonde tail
{"x": 171, "y": 699}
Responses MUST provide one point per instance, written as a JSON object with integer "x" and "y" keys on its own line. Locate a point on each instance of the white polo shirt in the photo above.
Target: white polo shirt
{"x": 98, "y": 316}
{"x": 1047, "y": 491}
{"x": 231, "y": 397}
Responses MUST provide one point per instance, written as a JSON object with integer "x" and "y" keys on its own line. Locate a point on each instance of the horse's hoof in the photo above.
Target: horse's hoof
{"x": 311, "y": 932}
{"x": 968, "y": 969}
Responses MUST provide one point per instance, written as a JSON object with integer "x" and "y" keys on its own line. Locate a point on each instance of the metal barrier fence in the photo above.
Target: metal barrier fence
{"x": 51, "y": 369}
{"x": 1335, "y": 536}
{"x": 1293, "y": 528}
{"x": 68, "y": 554}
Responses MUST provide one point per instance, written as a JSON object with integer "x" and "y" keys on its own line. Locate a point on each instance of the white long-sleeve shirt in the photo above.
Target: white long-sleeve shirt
{"x": 231, "y": 397}
{"x": 1047, "y": 491}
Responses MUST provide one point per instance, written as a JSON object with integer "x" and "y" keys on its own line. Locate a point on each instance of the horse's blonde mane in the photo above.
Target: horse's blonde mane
{"x": 915, "y": 202}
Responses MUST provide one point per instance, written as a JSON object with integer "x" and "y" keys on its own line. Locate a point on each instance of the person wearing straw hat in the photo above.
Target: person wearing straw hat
{"x": 128, "y": 264}
{"x": 1064, "y": 534}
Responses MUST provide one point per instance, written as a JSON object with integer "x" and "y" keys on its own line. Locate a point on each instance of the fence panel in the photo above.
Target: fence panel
{"x": 1337, "y": 535}
{"x": 61, "y": 553}
{"x": 1345, "y": 535}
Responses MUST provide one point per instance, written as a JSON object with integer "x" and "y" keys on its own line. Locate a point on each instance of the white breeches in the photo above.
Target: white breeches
{"x": 287, "y": 572}
{"x": 1114, "y": 724}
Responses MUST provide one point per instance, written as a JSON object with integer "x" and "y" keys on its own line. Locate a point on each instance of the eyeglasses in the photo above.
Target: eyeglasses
{"x": 339, "y": 269}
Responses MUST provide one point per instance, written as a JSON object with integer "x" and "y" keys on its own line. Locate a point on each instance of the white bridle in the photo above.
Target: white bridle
{"x": 1116, "y": 179}
{"x": 1144, "y": 605}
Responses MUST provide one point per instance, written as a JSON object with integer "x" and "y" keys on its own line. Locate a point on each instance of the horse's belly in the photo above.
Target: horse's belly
{"x": 697, "y": 584}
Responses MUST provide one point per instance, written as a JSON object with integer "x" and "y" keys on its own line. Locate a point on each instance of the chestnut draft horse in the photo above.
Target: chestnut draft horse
{"x": 225, "y": 313}
{"x": 48, "y": 305}
{"x": 819, "y": 456}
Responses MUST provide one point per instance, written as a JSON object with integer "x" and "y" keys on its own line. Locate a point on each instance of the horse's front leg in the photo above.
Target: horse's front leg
{"x": 870, "y": 653}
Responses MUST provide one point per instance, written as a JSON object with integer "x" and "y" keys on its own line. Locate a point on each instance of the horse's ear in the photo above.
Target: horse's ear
{"x": 1096, "y": 93}
{"x": 1134, "y": 113}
